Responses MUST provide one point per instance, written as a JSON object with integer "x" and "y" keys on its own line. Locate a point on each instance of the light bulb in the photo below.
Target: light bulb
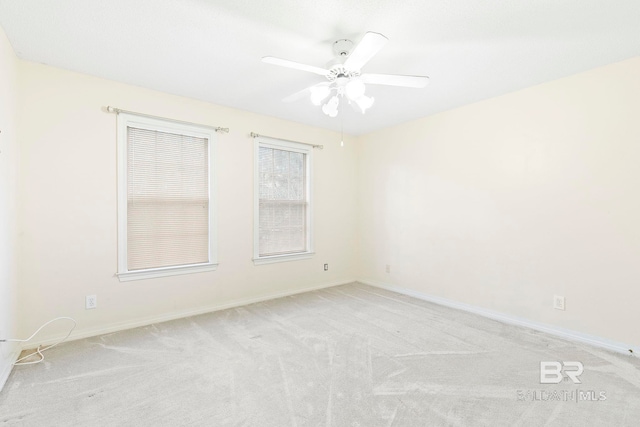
{"x": 364, "y": 102}
{"x": 354, "y": 89}
{"x": 319, "y": 93}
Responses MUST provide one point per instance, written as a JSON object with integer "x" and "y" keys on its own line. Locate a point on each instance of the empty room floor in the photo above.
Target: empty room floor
{"x": 347, "y": 356}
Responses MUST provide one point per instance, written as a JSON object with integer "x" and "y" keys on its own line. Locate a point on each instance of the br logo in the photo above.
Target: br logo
{"x": 554, "y": 372}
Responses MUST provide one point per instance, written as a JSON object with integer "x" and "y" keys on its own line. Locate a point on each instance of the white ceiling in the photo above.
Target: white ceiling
{"x": 211, "y": 49}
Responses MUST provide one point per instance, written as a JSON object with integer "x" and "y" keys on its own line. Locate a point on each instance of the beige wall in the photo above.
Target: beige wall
{"x": 68, "y": 245}
{"x": 506, "y": 202}
{"x": 8, "y": 200}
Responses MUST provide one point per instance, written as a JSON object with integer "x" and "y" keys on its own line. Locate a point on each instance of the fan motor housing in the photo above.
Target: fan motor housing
{"x": 337, "y": 73}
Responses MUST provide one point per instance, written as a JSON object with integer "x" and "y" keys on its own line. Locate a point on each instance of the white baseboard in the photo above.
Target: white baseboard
{"x": 513, "y": 320}
{"x": 121, "y": 326}
{"x": 7, "y": 367}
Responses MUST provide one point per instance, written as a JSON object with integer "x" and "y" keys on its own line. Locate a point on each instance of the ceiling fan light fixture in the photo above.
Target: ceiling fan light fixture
{"x": 344, "y": 79}
{"x": 319, "y": 94}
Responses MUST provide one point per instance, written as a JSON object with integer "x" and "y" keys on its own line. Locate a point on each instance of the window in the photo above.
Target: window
{"x": 282, "y": 229}
{"x": 166, "y": 223}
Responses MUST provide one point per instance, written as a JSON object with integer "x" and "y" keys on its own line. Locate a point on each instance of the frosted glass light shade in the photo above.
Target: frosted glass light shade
{"x": 331, "y": 107}
{"x": 319, "y": 93}
{"x": 354, "y": 89}
{"x": 364, "y": 103}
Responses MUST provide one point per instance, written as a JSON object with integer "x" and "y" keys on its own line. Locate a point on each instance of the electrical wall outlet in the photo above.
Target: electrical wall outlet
{"x": 387, "y": 268}
{"x": 326, "y": 267}
{"x": 91, "y": 301}
{"x": 558, "y": 302}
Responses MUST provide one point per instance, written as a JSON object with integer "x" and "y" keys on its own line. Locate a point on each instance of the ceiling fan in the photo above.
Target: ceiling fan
{"x": 343, "y": 76}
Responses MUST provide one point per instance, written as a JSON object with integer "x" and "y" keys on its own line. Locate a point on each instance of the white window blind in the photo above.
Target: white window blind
{"x": 167, "y": 199}
{"x": 283, "y": 200}
{"x": 166, "y": 222}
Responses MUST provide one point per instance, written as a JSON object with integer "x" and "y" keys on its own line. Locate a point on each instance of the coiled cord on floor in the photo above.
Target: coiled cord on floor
{"x": 40, "y": 349}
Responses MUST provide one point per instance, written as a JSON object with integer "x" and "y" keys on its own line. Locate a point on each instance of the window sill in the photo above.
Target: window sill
{"x": 166, "y": 271}
{"x": 282, "y": 258}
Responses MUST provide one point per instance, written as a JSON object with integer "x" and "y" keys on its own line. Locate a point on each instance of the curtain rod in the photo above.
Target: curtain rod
{"x": 110, "y": 109}
{"x": 255, "y": 135}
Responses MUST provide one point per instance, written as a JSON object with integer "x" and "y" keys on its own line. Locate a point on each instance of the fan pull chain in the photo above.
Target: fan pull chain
{"x": 341, "y": 125}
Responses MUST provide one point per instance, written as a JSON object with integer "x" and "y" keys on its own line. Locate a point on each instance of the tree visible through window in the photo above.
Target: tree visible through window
{"x": 283, "y": 199}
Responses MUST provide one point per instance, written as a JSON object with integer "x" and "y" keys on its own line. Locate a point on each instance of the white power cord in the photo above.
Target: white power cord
{"x": 39, "y": 350}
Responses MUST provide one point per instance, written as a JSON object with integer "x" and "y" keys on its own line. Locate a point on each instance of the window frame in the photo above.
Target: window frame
{"x": 279, "y": 144}
{"x": 126, "y": 120}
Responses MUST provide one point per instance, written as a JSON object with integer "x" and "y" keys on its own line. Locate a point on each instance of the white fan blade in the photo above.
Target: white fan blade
{"x": 306, "y": 92}
{"x": 395, "y": 80}
{"x": 294, "y": 65}
{"x": 298, "y": 95}
{"x": 370, "y": 44}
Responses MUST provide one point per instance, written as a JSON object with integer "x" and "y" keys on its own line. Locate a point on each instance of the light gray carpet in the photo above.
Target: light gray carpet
{"x": 349, "y": 356}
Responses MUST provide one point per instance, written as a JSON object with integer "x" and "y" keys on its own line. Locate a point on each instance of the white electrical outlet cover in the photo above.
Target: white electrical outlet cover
{"x": 558, "y": 302}
{"x": 91, "y": 301}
